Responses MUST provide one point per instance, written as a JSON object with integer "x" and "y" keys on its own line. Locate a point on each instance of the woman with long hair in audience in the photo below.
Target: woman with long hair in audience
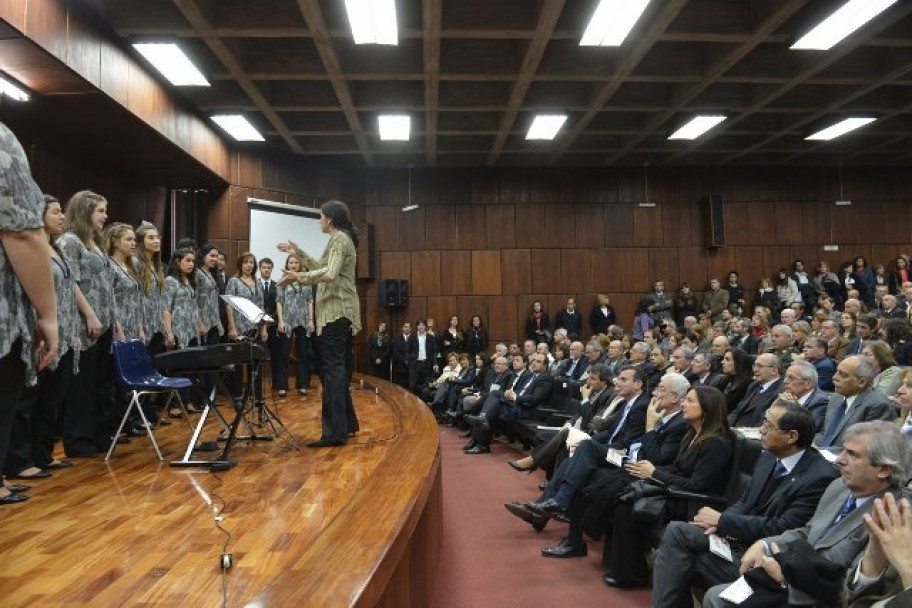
{"x": 452, "y": 338}
{"x": 898, "y": 334}
{"x": 903, "y": 398}
{"x": 701, "y": 466}
{"x": 642, "y": 319}
{"x": 847, "y": 323}
{"x": 899, "y": 274}
{"x": 888, "y": 375}
{"x": 471, "y": 380}
{"x": 766, "y": 295}
{"x": 379, "y": 351}
{"x": 244, "y": 285}
{"x": 476, "y": 337}
{"x": 685, "y": 304}
{"x": 90, "y": 399}
{"x": 295, "y": 308}
{"x": 35, "y": 425}
{"x": 800, "y": 332}
{"x": 538, "y": 326}
{"x": 602, "y": 316}
{"x": 786, "y": 289}
{"x": 737, "y": 367}
{"x": 864, "y": 280}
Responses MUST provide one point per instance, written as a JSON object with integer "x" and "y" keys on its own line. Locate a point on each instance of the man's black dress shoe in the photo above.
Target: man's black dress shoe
{"x": 38, "y": 475}
{"x": 479, "y": 449}
{"x": 617, "y": 584}
{"x": 565, "y": 549}
{"x": 548, "y": 508}
{"x": 469, "y": 445}
{"x": 324, "y": 443}
{"x": 538, "y": 522}
{"x": 13, "y": 499}
{"x": 17, "y": 488}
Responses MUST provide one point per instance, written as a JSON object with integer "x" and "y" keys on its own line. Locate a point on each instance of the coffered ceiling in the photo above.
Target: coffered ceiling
{"x": 472, "y": 73}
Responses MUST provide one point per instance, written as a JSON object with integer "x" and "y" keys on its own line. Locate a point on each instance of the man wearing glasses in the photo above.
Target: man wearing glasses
{"x": 760, "y": 394}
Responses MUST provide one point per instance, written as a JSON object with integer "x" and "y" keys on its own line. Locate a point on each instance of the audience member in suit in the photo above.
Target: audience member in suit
{"x": 715, "y": 300}
{"x": 760, "y": 394}
{"x": 788, "y": 481}
{"x": 573, "y": 368}
{"x": 602, "y": 316}
{"x": 570, "y": 319}
{"x": 865, "y": 326}
{"x": 660, "y": 303}
{"x": 422, "y": 357}
{"x": 743, "y": 340}
{"x": 883, "y": 575}
{"x": 680, "y": 361}
{"x": 594, "y": 410}
{"x": 837, "y": 345}
{"x": 875, "y": 461}
{"x": 737, "y": 368}
{"x": 378, "y": 350}
{"x": 703, "y": 376}
{"x": 401, "y": 356}
{"x": 854, "y": 401}
{"x": 276, "y": 343}
{"x": 815, "y": 353}
{"x": 615, "y": 359}
{"x": 498, "y": 378}
{"x": 800, "y": 385}
{"x": 623, "y": 428}
{"x": 701, "y": 465}
{"x": 532, "y": 390}
{"x": 890, "y": 309}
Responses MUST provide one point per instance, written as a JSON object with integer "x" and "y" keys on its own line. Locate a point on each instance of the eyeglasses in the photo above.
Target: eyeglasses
{"x": 767, "y": 426}
{"x": 758, "y": 365}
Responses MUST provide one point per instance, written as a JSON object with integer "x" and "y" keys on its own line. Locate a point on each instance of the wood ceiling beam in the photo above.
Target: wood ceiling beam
{"x": 547, "y": 21}
{"x": 432, "y": 15}
{"x": 313, "y": 15}
{"x": 772, "y": 23}
{"x": 632, "y": 58}
{"x": 194, "y": 15}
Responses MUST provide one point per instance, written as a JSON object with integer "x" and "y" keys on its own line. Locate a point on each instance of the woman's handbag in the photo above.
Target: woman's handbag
{"x": 649, "y": 501}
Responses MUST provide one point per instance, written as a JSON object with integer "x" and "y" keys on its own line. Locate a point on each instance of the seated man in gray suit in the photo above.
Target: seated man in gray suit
{"x": 876, "y": 459}
{"x": 854, "y": 401}
{"x": 800, "y": 384}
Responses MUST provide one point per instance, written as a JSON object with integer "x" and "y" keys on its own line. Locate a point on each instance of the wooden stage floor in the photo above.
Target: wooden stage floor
{"x": 326, "y": 527}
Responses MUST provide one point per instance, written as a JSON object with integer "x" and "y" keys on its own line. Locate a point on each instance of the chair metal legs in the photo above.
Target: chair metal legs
{"x": 135, "y": 402}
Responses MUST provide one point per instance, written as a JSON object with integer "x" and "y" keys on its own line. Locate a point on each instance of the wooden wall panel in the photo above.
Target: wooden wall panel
{"x": 470, "y": 227}
{"x": 575, "y": 271}
{"x": 469, "y": 306}
{"x": 410, "y": 230}
{"x": 456, "y": 268}
{"x": 546, "y": 270}
{"x": 516, "y": 265}
{"x": 663, "y": 265}
{"x": 441, "y": 229}
{"x": 647, "y": 226}
{"x": 760, "y": 229}
{"x": 589, "y": 225}
{"x": 500, "y": 226}
{"x": 530, "y": 225}
{"x": 396, "y": 265}
{"x": 426, "y": 275}
{"x": 486, "y": 273}
{"x": 789, "y": 222}
{"x": 737, "y": 228}
{"x": 503, "y": 318}
{"x": 619, "y": 225}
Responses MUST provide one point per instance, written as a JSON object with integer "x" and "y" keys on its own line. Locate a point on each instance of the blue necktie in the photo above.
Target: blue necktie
{"x": 780, "y": 470}
{"x": 847, "y": 507}
{"x": 838, "y": 415}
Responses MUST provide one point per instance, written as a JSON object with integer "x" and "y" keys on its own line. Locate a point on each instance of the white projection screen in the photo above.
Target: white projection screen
{"x": 272, "y": 222}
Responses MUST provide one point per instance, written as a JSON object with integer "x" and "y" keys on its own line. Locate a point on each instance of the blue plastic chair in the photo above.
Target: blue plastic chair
{"x": 137, "y": 374}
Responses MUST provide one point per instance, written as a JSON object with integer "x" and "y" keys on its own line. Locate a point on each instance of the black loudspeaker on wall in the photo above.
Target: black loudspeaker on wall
{"x": 393, "y": 293}
{"x": 716, "y": 221}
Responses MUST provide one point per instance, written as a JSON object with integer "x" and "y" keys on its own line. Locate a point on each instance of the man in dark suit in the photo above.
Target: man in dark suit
{"x": 743, "y": 339}
{"x": 800, "y": 385}
{"x": 422, "y": 357}
{"x": 837, "y": 346}
{"x": 570, "y": 319}
{"x": 532, "y": 390}
{"x": 701, "y": 366}
{"x": 788, "y": 481}
{"x": 760, "y": 393}
{"x": 875, "y": 460}
{"x": 274, "y": 341}
{"x": 498, "y": 378}
{"x": 401, "y": 356}
{"x": 815, "y": 353}
{"x": 865, "y": 326}
{"x": 854, "y": 401}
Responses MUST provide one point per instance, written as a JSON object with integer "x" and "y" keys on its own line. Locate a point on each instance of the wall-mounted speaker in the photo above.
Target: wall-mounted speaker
{"x": 716, "y": 221}
{"x": 393, "y": 293}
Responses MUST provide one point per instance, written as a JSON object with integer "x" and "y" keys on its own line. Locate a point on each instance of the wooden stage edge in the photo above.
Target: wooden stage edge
{"x": 358, "y": 525}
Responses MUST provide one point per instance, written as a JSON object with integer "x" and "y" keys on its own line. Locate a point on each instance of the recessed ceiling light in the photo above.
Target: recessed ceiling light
{"x": 170, "y": 60}
{"x": 546, "y": 126}
{"x": 11, "y": 90}
{"x": 612, "y": 21}
{"x": 697, "y": 126}
{"x": 238, "y": 127}
{"x": 373, "y": 21}
{"x": 840, "y": 128}
{"x": 851, "y": 16}
{"x": 395, "y": 127}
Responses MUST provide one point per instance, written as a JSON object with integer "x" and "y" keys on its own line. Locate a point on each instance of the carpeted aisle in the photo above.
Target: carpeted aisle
{"x": 489, "y": 557}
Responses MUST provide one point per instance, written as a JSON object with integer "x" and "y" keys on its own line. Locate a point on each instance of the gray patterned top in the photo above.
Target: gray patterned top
{"x": 207, "y": 295}
{"x": 237, "y": 287}
{"x": 180, "y": 301}
{"x": 127, "y": 301}
{"x": 93, "y": 272}
{"x": 153, "y": 305}
{"x": 21, "y": 205}
{"x": 296, "y": 300}
{"x": 67, "y": 312}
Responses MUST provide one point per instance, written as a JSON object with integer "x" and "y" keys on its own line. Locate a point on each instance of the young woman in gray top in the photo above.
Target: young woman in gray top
{"x": 90, "y": 397}
{"x": 182, "y": 320}
{"x": 245, "y": 285}
{"x": 121, "y": 247}
{"x": 296, "y": 321}
{"x": 149, "y": 269}
{"x": 207, "y": 293}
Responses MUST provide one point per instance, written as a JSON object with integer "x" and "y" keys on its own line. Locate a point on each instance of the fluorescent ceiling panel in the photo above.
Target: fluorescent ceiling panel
{"x": 395, "y": 127}
{"x": 840, "y": 128}
{"x": 373, "y": 21}
{"x": 11, "y": 90}
{"x": 851, "y": 16}
{"x": 612, "y": 21}
{"x": 697, "y": 126}
{"x": 238, "y": 127}
{"x": 546, "y": 126}
{"x": 170, "y": 60}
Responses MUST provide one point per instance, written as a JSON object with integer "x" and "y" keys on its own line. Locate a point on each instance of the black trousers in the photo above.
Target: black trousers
{"x": 278, "y": 357}
{"x": 419, "y": 373}
{"x": 12, "y": 370}
{"x": 550, "y": 454}
{"x": 90, "y": 396}
{"x": 337, "y": 357}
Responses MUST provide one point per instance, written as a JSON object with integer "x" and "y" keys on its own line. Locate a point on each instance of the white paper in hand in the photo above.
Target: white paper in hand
{"x": 719, "y": 546}
{"x": 737, "y": 592}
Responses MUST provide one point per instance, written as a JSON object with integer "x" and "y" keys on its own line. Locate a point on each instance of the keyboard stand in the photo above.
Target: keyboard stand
{"x": 223, "y": 462}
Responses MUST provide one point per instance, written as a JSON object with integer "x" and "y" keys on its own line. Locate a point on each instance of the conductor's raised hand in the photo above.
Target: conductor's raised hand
{"x": 288, "y": 277}
{"x": 287, "y": 247}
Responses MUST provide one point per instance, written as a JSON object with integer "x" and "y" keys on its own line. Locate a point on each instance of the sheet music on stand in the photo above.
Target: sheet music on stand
{"x": 247, "y": 309}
